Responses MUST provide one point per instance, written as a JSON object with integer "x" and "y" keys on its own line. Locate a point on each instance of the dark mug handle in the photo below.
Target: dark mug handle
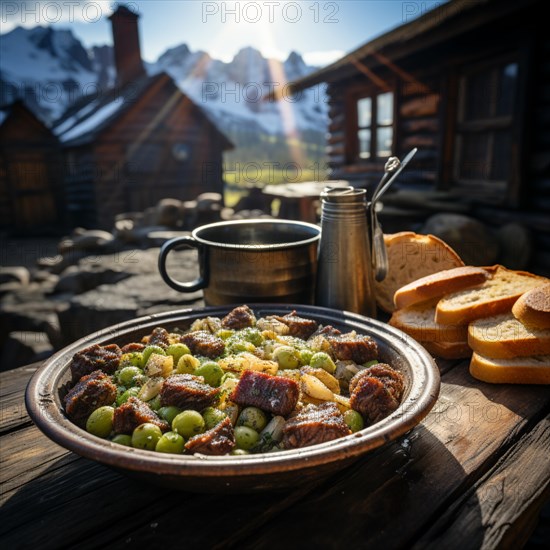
{"x": 191, "y": 286}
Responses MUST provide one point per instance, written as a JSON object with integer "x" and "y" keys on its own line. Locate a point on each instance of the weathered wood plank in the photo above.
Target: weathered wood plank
{"x": 420, "y": 125}
{"x": 470, "y": 427}
{"x": 420, "y": 106}
{"x": 509, "y": 494}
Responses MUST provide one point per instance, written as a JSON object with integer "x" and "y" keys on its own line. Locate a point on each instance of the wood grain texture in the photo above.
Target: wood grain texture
{"x": 462, "y": 471}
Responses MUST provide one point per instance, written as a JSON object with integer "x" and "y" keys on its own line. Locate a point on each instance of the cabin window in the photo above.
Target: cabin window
{"x": 375, "y": 126}
{"x": 145, "y": 159}
{"x": 485, "y": 124}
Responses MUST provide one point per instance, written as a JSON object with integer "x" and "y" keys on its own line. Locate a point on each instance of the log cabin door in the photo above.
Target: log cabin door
{"x": 32, "y": 196}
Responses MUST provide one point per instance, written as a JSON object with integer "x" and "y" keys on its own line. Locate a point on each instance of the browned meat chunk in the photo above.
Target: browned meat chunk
{"x": 201, "y": 342}
{"x": 238, "y": 318}
{"x": 298, "y": 326}
{"x": 159, "y": 337}
{"x": 187, "y": 392}
{"x": 133, "y": 413}
{"x": 220, "y": 440}
{"x": 376, "y": 392}
{"x": 274, "y": 394}
{"x": 95, "y": 357}
{"x": 354, "y": 347}
{"x": 314, "y": 425}
{"x": 91, "y": 392}
{"x": 133, "y": 347}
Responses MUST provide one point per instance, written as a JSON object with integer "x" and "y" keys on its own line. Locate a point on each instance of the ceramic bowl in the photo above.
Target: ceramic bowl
{"x": 269, "y": 471}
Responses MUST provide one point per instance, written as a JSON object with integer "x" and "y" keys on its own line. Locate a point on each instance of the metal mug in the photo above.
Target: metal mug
{"x": 250, "y": 261}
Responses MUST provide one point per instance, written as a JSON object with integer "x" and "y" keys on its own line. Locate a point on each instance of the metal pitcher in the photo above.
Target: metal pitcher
{"x": 344, "y": 271}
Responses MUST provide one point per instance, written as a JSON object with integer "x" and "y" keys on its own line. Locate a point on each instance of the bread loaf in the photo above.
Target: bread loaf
{"x": 503, "y": 336}
{"x": 412, "y": 256}
{"x": 519, "y": 370}
{"x": 496, "y": 295}
{"x": 418, "y": 321}
{"x": 533, "y": 307}
{"x": 439, "y": 284}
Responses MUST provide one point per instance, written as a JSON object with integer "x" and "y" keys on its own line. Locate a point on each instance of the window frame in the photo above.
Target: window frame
{"x": 491, "y": 191}
{"x": 353, "y": 128}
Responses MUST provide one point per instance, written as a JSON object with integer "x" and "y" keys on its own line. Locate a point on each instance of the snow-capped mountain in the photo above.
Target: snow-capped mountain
{"x": 50, "y": 68}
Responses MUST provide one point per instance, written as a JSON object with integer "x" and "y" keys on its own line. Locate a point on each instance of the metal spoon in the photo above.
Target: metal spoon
{"x": 380, "y": 261}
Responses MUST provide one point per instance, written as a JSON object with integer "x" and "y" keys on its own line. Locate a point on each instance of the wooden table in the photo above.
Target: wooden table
{"x": 474, "y": 474}
{"x": 299, "y": 200}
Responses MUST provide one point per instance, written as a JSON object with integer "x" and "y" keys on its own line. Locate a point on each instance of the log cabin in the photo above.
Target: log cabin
{"x": 468, "y": 83}
{"x": 31, "y": 190}
{"x": 143, "y": 140}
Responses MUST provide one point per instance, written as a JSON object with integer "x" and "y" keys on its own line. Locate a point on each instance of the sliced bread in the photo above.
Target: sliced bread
{"x": 418, "y": 321}
{"x": 503, "y": 336}
{"x": 494, "y": 296}
{"x": 533, "y": 307}
{"x": 448, "y": 350}
{"x": 412, "y": 256}
{"x": 520, "y": 370}
{"x": 439, "y": 284}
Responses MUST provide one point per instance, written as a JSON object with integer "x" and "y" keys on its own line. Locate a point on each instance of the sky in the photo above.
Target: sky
{"x": 320, "y": 30}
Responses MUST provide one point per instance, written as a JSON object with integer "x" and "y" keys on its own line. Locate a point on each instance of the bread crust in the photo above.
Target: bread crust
{"x": 438, "y": 284}
{"x": 412, "y": 256}
{"x": 533, "y": 307}
{"x": 521, "y": 370}
{"x": 467, "y": 305}
{"x": 448, "y": 350}
{"x": 503, "y": 337}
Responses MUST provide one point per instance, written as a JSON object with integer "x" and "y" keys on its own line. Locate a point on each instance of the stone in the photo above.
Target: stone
{"x": 75, "y": 280}
{"x": 472, "y": 240}
{"x": 92, "y": 239}
{"x": 169, "y": 213}
{"x": 15, "y": 274}
{"x": 516, "y": 245}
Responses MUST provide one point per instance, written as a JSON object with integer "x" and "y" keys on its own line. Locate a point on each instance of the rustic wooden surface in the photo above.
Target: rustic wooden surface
{"x": 474, "y": 474}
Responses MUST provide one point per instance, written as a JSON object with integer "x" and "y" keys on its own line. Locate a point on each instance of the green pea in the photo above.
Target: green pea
{"x": 123, "y": 439}
{"x": 134, "y": 358}
{"x": 254, "y": 418}
{"x": 322, "y": 360}
{"x": 305, "y": 356}
{"x": 146, "y": 353}
{"x": 100, "y": 422}
{"x": 154, "y": 403}
{"x": 170, "y": 442}
{"x": 354, "y": 420}
{"x": 212, "y": 417}
{"x": 287, "y": 357}
{"x": 127, "y": 376}
{"x": 188, "y": 423}
{"x": 187, "y": 364}
{"x": 123, "y": 397}
{"x": 246, "y": 437}
{"x": 238, "y": 346}
{"x": 225, "y": 333}
{"x": 211, "y": 372}
{"x": 252, "y": 335}
{"x": 177, "y": 351}
{"x": 146, "y": 436}
{"x": 371, "y": 363}
{"x": 169, "y": 413}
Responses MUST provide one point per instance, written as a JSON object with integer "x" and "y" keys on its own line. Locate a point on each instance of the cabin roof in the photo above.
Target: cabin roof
{"x": 436, "y": 26}
{"x": 87, "y": 117}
